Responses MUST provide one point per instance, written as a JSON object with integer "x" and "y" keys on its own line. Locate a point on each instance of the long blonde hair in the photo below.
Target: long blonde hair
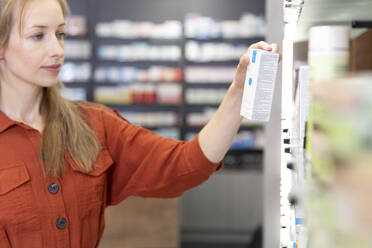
{"x": 66, "y": 128}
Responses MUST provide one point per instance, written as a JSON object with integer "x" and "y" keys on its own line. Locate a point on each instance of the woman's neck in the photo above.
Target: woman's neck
{"x": 22, "y": 103}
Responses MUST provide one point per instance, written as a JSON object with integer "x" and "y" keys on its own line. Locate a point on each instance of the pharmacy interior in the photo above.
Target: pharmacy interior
{"x": 298, "y": 180}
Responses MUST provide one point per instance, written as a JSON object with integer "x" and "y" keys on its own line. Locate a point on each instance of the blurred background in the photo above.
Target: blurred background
{"x": 166, "y": 65}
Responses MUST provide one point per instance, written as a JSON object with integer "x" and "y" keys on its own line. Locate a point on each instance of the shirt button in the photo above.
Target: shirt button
{"x": 61, "y": 223}
{"x": 53, "y": 188}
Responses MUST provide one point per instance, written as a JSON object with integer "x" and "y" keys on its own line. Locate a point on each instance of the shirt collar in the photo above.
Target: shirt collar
{"x": 5, "y": 122}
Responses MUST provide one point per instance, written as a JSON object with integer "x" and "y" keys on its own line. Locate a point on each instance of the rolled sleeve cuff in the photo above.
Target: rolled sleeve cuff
{"x": 200, "y": 161}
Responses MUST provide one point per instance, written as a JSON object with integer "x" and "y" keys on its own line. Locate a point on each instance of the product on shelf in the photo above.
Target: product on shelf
{"x": 252, "y": 25}
{"x": 169, "y": 93}
{"x": 75, "y": 72}
{"x": 243, "y": 140}
{"x": 74, "y": 94}
{"x": 339, "y": 190}
{"x": 341, "y": 133}
{"x": 205, "y": 96}
{"x": 200, "y": 118}
{"x": 152, "y": 119}
{"x": 155, "y": 120}
{"x": 143, "y": 93}
{"x": 202, "y": 27}
{"x": 113, "y": 95}
{"x": 209, "y": 74}
{"x": 190, "y": 136}
{"x": 244, "y": 160}
{"x": 140, "y": 93}
{"x": 250, "y": 123}
{"x": 116, "y": 74}
{"x": 328, "y": 52}
{"x": 77, "y": 49}
{"x": 139, "y": 51}
{"x": 127, "y": 29}
{"x": 76, "y": 25}
{"x": 206, "y": 52}
{"x": 172, "y": 133}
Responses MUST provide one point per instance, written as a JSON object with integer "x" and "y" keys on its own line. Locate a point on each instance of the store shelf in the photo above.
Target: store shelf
{"x": 77, "y": 84}
{"x": 242, "y": 128}
{"x": 79, "y": 38}
{"x": 244, "y": 159}
{"x": 113, "y": 84}
{"x": 77, "y": 60}
{"x": 319, "y": 12}
{"x": 199, "y": 107}
{"x": 144, "y": 107}
{"x": 233, "y": 62}
{"x": 208, "y": 85}
{"x": 362, "y": 24}
{"x": 138, "y": 63}
{"x": 251, "y": 127}
{"x": 246, "y": 150}
{"x": 245, "y": 40}
{"x": 161, "y": 127}
{"x": 153, "y": 41}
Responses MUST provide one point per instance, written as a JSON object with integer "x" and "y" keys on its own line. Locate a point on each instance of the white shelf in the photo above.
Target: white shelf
{"x": 317, "y": 12}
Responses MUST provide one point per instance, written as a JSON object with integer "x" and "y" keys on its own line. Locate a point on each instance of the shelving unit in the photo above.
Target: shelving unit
{"x": 289, "y": 210}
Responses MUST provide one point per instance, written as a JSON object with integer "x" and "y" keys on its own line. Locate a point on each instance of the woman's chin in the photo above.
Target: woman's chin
{"x": 49, "y": 83}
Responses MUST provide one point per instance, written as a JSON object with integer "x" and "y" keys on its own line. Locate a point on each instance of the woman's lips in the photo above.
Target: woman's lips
{"x": 52, "y": 68}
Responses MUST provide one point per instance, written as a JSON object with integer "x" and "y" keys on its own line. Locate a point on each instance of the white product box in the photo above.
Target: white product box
{"x": 259, "y": 85}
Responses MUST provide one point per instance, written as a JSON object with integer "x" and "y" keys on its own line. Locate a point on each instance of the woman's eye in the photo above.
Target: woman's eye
{"x": 37, "y": 36}
{"x": 61, "y": 35}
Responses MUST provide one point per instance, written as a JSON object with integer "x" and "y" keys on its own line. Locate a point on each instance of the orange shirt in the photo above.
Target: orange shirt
{"x": 38, "y": 211}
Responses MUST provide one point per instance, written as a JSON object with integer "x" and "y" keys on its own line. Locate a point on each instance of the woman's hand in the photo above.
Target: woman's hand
{"x": 244, "y": 61}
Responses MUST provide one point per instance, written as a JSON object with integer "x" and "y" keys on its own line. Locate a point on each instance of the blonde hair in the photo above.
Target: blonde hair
{"x": 66, "y": 128}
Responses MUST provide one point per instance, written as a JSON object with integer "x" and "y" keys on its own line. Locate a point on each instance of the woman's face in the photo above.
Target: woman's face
{"x": 35, "y": 54}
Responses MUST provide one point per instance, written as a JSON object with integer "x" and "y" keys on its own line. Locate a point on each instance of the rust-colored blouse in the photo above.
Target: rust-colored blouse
{"x": 38, "y": 211}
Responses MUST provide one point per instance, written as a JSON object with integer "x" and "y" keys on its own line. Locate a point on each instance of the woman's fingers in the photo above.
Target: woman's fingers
{"x": 275, "y": 48}
{"x": 262, "y": 45}
{"x": 244, "y": 60}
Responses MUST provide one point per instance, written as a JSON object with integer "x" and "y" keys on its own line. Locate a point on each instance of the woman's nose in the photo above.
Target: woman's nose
{"x": 56, "y": 47}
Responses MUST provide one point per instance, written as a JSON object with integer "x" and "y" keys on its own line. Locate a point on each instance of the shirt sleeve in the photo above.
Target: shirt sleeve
{"x": 149, "y": 165}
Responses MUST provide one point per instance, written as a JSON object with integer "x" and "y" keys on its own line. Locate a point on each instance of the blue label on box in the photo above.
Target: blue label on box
{"x": 250, "y": 81}
{"x": 254, "y": 56}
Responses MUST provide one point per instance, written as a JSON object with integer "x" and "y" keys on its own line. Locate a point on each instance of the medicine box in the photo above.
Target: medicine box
{"x": 259, "y": 85}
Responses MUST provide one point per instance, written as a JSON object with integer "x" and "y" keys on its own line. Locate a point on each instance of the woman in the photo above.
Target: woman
{"x": 63, "y": 162}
